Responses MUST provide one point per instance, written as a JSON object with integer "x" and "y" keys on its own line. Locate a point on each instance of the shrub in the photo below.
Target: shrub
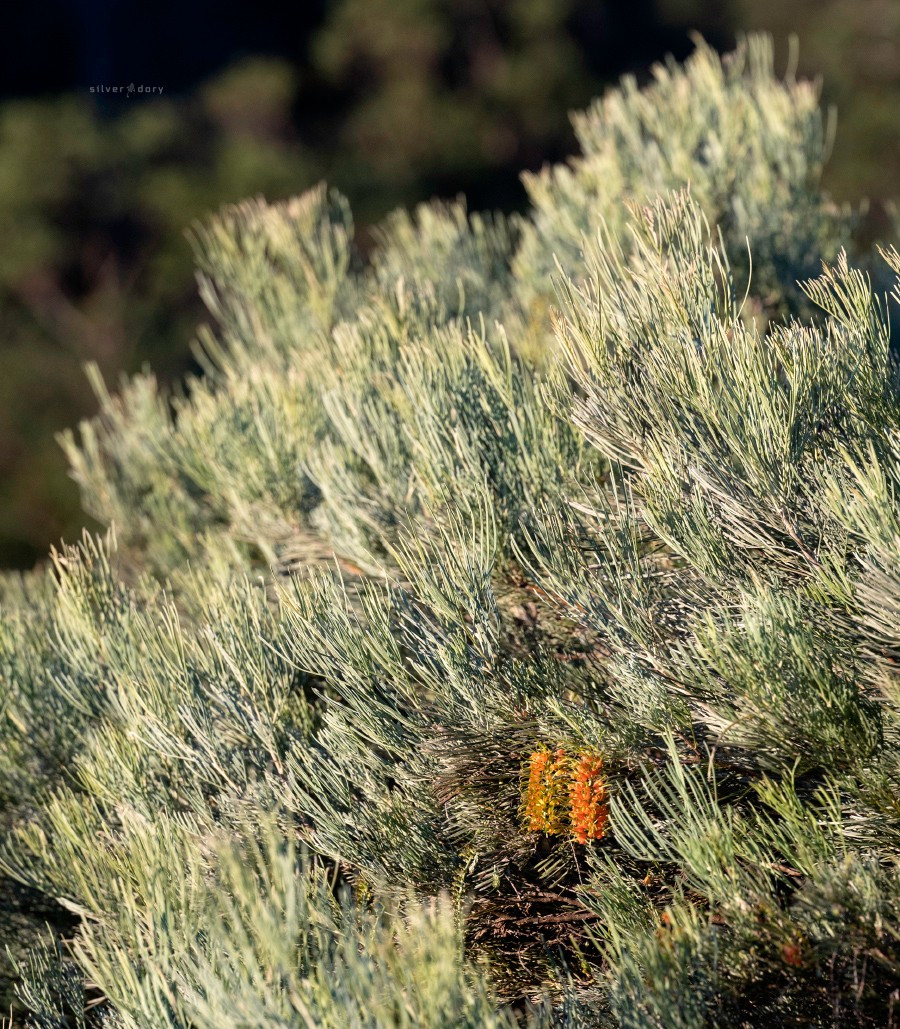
{"x": 502, "y": 631}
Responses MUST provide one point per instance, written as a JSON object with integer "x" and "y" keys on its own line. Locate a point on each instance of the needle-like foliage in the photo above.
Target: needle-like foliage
{"x": 504, "y": 629}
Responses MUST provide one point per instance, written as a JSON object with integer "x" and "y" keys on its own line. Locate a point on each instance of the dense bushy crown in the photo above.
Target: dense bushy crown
{"x": 504, "y": 629}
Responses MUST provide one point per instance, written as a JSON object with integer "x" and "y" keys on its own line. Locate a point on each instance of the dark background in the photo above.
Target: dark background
{"x": 392, "y": 101}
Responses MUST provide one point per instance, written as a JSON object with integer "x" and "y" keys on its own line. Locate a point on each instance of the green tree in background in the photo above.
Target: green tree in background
{"x": 444, "y": 96}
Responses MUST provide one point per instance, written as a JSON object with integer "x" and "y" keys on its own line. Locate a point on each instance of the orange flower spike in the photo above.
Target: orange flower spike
{"x": 587, "y": 797}
{"x": 557, "y": 793}
{"x": 535, "y": 801}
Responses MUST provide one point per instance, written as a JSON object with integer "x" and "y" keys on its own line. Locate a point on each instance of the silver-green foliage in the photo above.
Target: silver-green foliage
{"x": 408, "y": 528}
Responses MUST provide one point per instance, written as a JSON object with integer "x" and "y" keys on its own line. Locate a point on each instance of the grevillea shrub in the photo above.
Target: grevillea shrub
{"x": 502, "y": 630}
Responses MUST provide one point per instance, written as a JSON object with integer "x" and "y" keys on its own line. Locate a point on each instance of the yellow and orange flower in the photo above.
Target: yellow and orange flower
{"x": 565, "y": 795}
{"x": 545, "y": 797}
{"x": 587, "y": 798}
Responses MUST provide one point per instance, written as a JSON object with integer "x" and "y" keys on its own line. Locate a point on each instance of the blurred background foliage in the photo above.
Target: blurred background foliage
{"x": 391, "y": 101}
